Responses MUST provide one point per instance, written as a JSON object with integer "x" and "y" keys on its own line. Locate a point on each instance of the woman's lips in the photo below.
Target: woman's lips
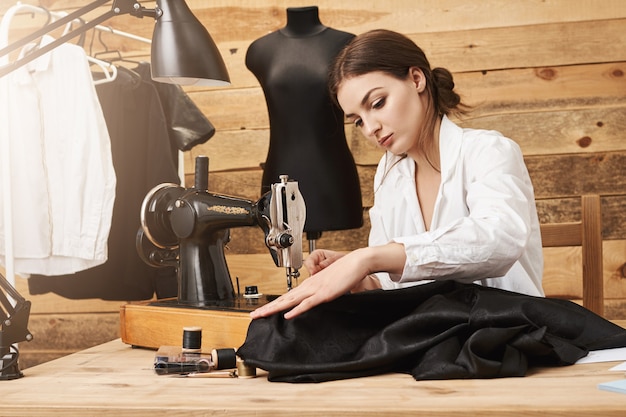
{"x": 384, "y": 141}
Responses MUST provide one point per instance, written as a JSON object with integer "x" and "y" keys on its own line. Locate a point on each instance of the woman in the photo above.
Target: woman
{"x": 450, "y": 203}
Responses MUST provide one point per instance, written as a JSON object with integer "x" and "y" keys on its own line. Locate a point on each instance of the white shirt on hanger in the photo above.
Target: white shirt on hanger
{"x": 62, "y": 176}
{"x": 485, "y": 227}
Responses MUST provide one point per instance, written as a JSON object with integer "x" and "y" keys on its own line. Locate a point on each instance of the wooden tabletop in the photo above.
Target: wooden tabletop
{"x": 115, "y": 379}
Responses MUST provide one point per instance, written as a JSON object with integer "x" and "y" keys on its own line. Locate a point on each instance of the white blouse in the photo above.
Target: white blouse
{"x": 484, "y": 228}
{"x": 62, "y": 175}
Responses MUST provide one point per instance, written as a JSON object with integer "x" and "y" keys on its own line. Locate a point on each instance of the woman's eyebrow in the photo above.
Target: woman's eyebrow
{"x": 365, "y": 99}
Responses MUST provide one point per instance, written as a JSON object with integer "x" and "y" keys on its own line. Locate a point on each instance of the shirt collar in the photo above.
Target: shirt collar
{"x": 450, "y": 139}
{"x": 40, "y": 64}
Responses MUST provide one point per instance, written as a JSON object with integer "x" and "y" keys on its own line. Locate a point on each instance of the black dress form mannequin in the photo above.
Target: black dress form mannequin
{"x": 307, "y": 136}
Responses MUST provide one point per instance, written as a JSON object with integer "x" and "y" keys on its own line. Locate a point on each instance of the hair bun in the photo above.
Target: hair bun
{"x": 449, "y": 100}
{"x": 443, "y": 78}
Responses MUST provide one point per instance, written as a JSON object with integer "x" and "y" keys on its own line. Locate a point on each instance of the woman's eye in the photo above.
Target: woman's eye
{"x": 377, "y": 104}
{"x": 358, "y": 122}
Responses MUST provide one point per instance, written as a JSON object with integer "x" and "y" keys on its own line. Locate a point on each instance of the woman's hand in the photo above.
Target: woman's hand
{"x": 320, "y": 259}
{"x": 339, "y": 275}
{"x": 369, "y": 283}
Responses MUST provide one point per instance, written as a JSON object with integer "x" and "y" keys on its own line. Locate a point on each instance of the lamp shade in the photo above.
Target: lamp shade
{"x": 183, "y": 51}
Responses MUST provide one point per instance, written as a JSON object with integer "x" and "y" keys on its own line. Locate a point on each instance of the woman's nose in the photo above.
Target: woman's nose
{"x": 371, "y": 127}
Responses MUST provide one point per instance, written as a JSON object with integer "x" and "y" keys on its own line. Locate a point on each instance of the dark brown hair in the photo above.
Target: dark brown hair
{"x": 394, "y": 54}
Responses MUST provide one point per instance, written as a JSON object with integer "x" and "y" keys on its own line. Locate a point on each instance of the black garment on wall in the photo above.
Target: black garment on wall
{"x": 142, "y": 158}
{"x": 186, "y": 124}
{"x": 440, "y": 330}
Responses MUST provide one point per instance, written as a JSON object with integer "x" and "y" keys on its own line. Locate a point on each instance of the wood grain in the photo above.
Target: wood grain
{"x": 114, "y": 379}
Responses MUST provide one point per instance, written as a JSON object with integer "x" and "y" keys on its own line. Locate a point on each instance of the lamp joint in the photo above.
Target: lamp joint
{"x": 134, "y": 8}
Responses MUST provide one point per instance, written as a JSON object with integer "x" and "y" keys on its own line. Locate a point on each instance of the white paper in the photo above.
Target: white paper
{"x": 620, "y": 367}
{"x": 604, "y": 355}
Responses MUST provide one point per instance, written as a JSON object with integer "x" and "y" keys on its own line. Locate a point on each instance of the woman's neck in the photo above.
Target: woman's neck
{"x": 427, "y": 154}
{"x": 302, "y": 21}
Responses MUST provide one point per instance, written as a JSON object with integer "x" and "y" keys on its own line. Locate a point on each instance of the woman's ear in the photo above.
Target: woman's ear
{"x": 418, "y": 78}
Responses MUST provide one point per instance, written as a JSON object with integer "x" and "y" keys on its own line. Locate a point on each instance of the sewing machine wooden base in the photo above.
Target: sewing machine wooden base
{"x": 153, "y": 324}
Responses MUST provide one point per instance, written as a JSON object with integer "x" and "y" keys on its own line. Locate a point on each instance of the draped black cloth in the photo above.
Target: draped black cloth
{"x": 440, "y": 330}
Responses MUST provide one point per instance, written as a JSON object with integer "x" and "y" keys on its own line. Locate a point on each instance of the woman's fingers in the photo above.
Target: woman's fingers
{"x": 303, "y": 306}
{"x": 313, "y": 261}
{"x": 320, "y": 259}
{"x": 337, "y": 276}
{"x": 270, "y": 308}
{"x": 282, "y": 303}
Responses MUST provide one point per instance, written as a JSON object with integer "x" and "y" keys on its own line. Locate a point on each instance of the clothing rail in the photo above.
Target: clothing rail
{"x": 5, "y": 48}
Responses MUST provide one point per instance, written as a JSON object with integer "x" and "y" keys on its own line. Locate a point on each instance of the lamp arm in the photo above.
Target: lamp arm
{"x": 52, "y": 26}
{"x": 6, "y": 286}
{"x": 118, "y": 8}
{"x": 13, "y": 318}
{"x": 13, "y": 329}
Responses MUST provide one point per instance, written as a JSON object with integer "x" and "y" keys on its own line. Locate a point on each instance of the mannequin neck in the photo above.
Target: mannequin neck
{"x": 302, "y": 21}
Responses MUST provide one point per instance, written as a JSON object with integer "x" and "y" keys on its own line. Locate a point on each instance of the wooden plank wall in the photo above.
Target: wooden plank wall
{"x": 549, "y": 74}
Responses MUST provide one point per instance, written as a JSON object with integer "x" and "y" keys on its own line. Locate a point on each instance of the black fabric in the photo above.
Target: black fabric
{"x": 440, "y": 330}
{"x": 187, "y": 125}
{"x": 142, "y": 159}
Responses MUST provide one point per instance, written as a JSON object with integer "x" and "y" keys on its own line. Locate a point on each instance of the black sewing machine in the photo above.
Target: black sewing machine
{"x": 189, "y": 228}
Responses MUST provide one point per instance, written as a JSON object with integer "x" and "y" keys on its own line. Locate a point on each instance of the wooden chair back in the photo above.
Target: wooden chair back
{"x": 587, "y": 234}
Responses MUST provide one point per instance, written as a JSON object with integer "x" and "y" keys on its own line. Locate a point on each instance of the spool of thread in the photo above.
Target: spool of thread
{"x": 245, "y": 371}
{"x": 224, "y": 358}
{"x": 192, "y": 339}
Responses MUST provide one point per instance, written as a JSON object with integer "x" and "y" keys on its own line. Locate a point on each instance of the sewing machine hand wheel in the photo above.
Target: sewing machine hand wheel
{"x": 156, "y": 243}
{"x": 154, "y": 215}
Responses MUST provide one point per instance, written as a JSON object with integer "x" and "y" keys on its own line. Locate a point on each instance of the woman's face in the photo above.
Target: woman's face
{"x": 390, "y": 112}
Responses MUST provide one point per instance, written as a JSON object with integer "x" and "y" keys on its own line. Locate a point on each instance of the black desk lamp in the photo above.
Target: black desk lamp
{"x": 183, "y": 52}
